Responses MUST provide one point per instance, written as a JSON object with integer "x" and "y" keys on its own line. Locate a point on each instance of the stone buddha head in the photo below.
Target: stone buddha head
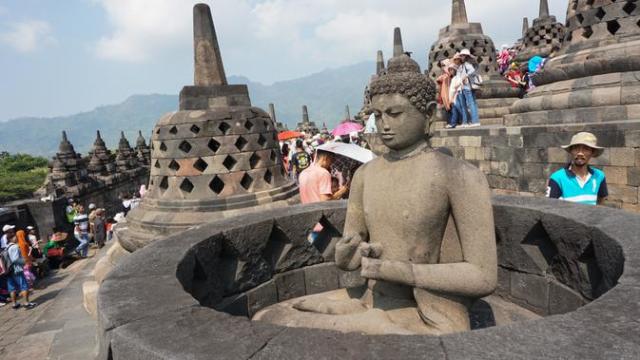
{"x": 403, "y": 100}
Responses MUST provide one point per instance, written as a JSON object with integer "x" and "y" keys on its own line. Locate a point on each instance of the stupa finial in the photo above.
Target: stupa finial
{"x": 380, "y": 63}
{"x": 398, "y": 48}
{"x": 272, "y": 112}
{"x": 209, "y": 69}
{"x": 64, "y": 136}
{"x": 525, "y": 26}
{"x": 347, "y": 112}
{"x": 459, "y": 12}
{"x": 305, "y": 114}
{"x": 544, "y": 8}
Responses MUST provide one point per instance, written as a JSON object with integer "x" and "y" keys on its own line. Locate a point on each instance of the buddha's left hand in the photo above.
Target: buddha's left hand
{"x": 392, "y": 271}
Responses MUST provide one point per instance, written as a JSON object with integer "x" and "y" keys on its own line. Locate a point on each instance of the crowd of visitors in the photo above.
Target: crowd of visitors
{"x": 26, "y": 257}
{"x": 320, "y": 175}
{"x": 458, "y": 85}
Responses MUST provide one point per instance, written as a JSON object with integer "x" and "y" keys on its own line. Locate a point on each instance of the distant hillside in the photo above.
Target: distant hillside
{"x": 325, "y": 93}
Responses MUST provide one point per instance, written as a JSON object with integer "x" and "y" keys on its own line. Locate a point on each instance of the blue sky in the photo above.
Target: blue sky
{"x": 60, "y": 57}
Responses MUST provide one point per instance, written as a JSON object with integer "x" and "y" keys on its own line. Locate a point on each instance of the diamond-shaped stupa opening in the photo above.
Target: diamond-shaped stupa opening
{"x": 163, "y": 147}
{"x": 164, "y": 183}
{"x": 261, "y": 140}
{"x": 254, "y": 160}
{"x": 248, "y": 125}
{"x": 195, "y": 129}
{"x": 200, "y": 165}
{"x": 246, "y": 181}
{"x": 224, "y": 128}
{"x": 157, "y": 164}
{"x": 213, "y": 145}
{"x": 268, "y": 176}
{"x": 216, "y": 185}
{"x": 229, "y": 162}
{"x": 173, "y": 130}
{"x": 185, "y": 147}
{"x": 186, "y": 186}
{"x": 173, "y": 165}
{"x": 241, "y": 143}
{"x": 538, "y": 245}
{"x": 273, "y": 155}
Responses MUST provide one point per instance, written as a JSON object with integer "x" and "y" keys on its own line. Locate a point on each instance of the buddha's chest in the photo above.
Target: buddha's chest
{"x": 406, "y": 209}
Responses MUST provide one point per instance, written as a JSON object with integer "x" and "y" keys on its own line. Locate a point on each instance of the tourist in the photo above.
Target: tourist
{"x": 142, "y": 191}
{"x": 54, "y": 248}
{"x": 25, "y": 252}
{"x": 468, "y": 73}
{"x": 514, "y": 77}
{"x": 100, "y": 228}
{"x": 8, "y": 231}
{"x": 300, "y": 160}
{"x": 285, "y": 157}
{"x": 81, "y": 232}
{"x": 16, "y": 281}
{"x": 315, "y": 182}
{"x": 92, "y": 216}
{"x": 71, "y": 210}
{"x": 458, "y": 113}
{"x": 126, "y": 203}
{"x": 578, "y": 182}
{"x": 504, "y": 58}
{"x": 444, "y": 81}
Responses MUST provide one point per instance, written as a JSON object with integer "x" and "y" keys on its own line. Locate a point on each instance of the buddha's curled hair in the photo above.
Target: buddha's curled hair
{"x": 418, "y": 88}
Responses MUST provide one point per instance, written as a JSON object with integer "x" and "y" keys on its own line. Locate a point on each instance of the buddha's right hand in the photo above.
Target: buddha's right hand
{"x": 369, "y": 250}
{"x": 347, "y": 252}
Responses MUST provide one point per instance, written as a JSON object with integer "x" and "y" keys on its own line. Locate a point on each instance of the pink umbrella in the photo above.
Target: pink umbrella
{"x": 346, "y": 128}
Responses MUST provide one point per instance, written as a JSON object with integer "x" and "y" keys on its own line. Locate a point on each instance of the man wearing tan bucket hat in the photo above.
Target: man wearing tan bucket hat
{"x": 578, "y": 182}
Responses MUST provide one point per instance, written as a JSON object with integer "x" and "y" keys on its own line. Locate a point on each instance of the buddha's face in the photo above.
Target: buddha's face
{"x": 399, "y": 123}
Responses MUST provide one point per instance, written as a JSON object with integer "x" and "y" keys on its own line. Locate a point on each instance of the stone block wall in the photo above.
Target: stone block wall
{"x": 519, "y": 160}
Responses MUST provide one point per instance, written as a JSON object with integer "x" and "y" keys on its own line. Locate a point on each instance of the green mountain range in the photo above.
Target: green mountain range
{"x": 325, "y": 93}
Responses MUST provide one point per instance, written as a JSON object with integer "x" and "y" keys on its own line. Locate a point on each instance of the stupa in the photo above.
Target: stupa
{"x": 545, "y": 34}
{"x": 126, "y": 161}
{"x": 496, "y": 94}
{"x": 143, "y": 153}
{"x": 215, "y": 157}
{"x": 306, "y": 126}
{"x": 68, "y": 171}
{"x": 272, "y": 113}
{"x": 101, "y": 162}
{"x": 594, "y": 78}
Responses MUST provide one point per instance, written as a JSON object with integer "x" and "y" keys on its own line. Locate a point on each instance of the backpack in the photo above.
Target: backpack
{"x": 476, "y": 82}
{"x": 302, "y": 161}
{"x": 6, "y": 265}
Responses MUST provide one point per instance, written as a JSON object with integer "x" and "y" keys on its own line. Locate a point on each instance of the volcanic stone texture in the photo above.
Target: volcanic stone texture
{"x": 496, "y": 94}
{"x": 520, "y": 159}
{"x": 597, "y": 71}
{"x": 554, "y": 257}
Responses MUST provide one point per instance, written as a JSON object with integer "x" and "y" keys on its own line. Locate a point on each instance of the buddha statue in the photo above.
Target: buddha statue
{"x": 399, "y": 208}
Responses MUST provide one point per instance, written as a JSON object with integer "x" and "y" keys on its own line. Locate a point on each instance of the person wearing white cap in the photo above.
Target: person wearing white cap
{"x": 8, "y": 231}
{"x": 578, "y": 182}
{"x": 467, "y": 72}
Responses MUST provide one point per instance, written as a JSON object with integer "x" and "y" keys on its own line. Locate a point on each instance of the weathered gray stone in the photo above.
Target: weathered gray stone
{"x": 290, "y": 285}
{"x": 321, "y": 278}
{"x": 563, "y": 299}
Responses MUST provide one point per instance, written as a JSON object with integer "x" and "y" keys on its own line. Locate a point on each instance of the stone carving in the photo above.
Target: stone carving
{"x": 71, "y": 175}
{"x": 306, "y": 126}
{"x": 595, "y": 75}
{"x": 544, "y": 35}
{"x": 417, "y": 282}
{"x": 218, "y": 154}
{"x": 272, "y": 113}
{"x": 497, "y": 94}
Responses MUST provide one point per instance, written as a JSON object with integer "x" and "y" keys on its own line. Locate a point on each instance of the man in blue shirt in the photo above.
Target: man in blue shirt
{"x": 578, "y": 182}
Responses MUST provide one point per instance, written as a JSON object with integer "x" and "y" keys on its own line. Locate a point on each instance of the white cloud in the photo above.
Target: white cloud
{"x": 142, "y": 29}
{"x": 27, "y": 36}
{"x": 275, "y": 39}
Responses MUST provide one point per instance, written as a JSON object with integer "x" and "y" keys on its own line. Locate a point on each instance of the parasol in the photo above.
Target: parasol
{"x": 289, "y": 134}
{"x": 350, "y": 151}
{"x": 346, "y": 128}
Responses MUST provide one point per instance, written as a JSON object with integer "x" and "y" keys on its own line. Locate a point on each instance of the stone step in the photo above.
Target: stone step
{"x": 90, "y": 298}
